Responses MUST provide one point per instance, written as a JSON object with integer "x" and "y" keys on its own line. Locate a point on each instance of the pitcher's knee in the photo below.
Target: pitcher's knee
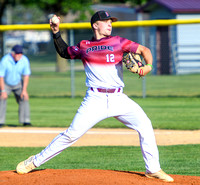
{"x": 71, "y": 137}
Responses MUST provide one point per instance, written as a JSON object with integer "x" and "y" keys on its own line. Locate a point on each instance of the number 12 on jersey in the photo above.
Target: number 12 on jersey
{"x": 110, "y": 58}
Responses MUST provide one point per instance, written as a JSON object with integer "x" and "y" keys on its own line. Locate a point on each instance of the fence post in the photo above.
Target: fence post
{"x": 141, "y": 40}
{"x": 71, "y": 36}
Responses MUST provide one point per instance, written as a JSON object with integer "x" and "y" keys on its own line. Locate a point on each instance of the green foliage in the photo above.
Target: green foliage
{"x": 62, "y": 7}
{"x": 179, "y": 159}
{"x": 36, "y": 11}
{"x": 131, "y": 2}
{"x": 28, "y": 15}
{"x": 138, "y": 2}
{"x": 27, "y": 9}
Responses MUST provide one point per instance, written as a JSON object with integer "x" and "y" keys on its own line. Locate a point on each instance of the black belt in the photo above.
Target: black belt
{"x": 106, "y": 90}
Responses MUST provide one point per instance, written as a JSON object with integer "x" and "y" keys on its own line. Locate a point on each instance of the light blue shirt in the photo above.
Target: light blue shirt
{"x": 12, "y": 71}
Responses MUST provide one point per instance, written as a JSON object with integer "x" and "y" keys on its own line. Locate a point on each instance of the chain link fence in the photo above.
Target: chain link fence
{"x": 171, "y": 60}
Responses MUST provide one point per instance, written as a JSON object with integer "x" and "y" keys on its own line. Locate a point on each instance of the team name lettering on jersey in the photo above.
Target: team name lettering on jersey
{"x": 99, "y": 48}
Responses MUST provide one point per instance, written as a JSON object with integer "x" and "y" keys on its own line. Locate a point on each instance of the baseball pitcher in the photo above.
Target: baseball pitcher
{"x": 103, "y": 58}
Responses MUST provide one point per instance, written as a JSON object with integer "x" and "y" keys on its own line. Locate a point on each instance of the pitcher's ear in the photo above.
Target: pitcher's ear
{"x": 95, "y": 25}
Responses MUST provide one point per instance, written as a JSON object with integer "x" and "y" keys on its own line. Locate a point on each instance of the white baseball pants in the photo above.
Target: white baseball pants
{"x": 96, "y": 107}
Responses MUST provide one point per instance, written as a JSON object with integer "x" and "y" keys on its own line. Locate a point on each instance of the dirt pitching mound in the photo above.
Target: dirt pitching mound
{"x": 88, "y": 177}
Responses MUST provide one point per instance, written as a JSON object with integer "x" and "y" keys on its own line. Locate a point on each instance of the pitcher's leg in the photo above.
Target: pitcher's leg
{"x": 78, "y": 127}
{"x": 86, "y": 117}
{"x": 135, "y": 118}
{"x": 149, "y": 148}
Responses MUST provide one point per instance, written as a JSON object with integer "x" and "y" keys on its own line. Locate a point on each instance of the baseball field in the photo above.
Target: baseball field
{"x": 109, "y": 153}
{"x": 101, "y": 156}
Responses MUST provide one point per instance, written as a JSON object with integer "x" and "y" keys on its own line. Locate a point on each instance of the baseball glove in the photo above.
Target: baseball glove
{"x": 133, "y": 63}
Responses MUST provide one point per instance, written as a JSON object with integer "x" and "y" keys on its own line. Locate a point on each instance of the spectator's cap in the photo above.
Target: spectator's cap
{"x": 102, "y": 15}
{"x": 18, "y": 49}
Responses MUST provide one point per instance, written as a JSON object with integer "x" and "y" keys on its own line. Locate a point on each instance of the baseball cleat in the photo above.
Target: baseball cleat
{"x": 25, "y": 166}
{"x": 160, "y": 175}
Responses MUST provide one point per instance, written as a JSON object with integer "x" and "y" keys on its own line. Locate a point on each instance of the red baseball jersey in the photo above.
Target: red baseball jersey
{"x": 102, "y": 60}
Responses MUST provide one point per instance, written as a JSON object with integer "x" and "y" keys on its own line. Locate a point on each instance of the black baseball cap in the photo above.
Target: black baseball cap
{"x": 18, "y": 49}
{"x": 102, "y": 15}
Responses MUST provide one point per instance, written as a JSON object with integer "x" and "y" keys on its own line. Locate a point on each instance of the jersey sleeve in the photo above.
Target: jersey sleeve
{"x": 74, "y": 51}
{"x": 128, "y": 45}
{"x": 60, "y": 45}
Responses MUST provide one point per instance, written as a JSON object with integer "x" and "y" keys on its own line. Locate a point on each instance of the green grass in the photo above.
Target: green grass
{"x": 59, "y": 84}
{"x": 180, "y": 159}
{"x": 165, "y": 113}
{"x": 45, "y": 81}
{"x": 172, "y": 102}
{"x": 173, "y": 85}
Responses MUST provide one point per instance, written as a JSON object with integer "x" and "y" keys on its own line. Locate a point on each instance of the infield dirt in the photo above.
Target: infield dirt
{"x": 88, "y": 177}
{"x": 42, "y": 136}
{"x": 39, "y": 137}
